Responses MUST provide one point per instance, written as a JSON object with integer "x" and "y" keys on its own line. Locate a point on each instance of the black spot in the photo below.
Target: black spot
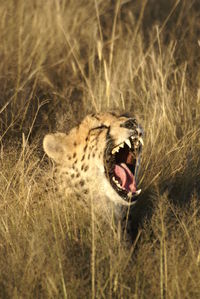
{"x": 75, "y": 144}
{"x": 72, "y": 175}
{"x": 86, "y": 168}
{"x": 93, "y": 155}
{"x": 82, "y": 183}
{"x": 85, "y": 147}
{"x": 89, "y": 156}
{"x": 75, "y": 162}
{"x": 78, "y": 175}
{"x": 74, "y": 155}
{"x": 85, "y": 191}
{"x": 83, "y": 157}
{"x": 76, "y": 169}
{"x": 82, "y": 167}
{"x": 69, "y": 157}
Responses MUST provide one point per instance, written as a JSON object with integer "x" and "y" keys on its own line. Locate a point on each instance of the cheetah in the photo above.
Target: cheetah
{"x": 99, "y": 158}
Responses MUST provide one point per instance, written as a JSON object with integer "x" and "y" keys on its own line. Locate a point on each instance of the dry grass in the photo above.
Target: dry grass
{"x": 59, "y": 61}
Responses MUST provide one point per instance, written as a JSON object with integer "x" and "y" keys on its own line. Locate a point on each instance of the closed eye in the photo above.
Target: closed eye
{"x": 99, "y": 128}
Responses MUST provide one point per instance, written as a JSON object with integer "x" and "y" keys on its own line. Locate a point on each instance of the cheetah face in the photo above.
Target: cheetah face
{"x": 102, "y": 153}
{"x": 122, "y": 160}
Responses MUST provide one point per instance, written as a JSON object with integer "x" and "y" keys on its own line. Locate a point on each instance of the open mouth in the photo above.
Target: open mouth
{"x": 122, "y": 162}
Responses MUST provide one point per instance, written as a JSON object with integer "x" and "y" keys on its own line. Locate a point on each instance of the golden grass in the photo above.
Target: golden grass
{"x": 59, "y": 61}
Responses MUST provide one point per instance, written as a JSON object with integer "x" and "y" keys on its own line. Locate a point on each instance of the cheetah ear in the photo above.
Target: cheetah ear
{"x": 56, "y": 146}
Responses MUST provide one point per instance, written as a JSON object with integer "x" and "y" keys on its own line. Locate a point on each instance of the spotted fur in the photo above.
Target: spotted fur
{"x": 80, "y": 159}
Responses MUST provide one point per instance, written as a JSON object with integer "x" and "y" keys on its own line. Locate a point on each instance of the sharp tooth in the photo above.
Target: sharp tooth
{"x": 128, "y": 142}
{"x": 137, "y": 192}
{"x": 141, "y": 141}
{"x": 118, "y": 184}
{"x": 114, "y": 180}
{"x": 137, "y": 143}
{"x": 117, "y": 148}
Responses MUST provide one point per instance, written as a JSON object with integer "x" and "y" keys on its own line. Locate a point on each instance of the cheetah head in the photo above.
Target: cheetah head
{"x": 104, "y": 152}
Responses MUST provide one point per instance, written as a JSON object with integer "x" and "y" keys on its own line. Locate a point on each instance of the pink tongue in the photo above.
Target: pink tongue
{"x": 127, "y": 178}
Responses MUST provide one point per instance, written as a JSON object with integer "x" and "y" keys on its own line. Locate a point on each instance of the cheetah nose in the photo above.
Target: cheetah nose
{"x": 140, "y": 131}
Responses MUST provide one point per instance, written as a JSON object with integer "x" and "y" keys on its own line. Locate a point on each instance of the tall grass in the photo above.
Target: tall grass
{"x": 59, "y": 61}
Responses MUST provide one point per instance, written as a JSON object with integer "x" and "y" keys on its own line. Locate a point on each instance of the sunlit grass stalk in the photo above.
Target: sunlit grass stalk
{"x": 93, "y": 250}
{"x": 58, "y": 254}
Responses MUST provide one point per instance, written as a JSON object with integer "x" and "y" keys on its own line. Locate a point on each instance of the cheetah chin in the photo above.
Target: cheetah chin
{"x": 102, "y": 153}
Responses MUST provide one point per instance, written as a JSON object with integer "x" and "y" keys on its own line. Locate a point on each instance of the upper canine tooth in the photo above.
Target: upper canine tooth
{"x": 113, "y": 151}
{"x": 141, "y": 141}
{"x": 128, "y": 142}
{"x": 116, "y": 149}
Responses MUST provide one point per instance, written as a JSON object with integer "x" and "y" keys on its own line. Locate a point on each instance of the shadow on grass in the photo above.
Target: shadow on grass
{"x": 179, "y": 191}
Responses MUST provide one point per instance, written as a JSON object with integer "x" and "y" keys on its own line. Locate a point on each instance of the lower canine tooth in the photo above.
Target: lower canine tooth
{"x": 141, "y": 141}
{"x": 114, "y": 179}
{"x": 137, "y": 192}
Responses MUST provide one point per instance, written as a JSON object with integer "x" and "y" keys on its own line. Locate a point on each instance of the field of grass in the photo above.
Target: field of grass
{"x": 59, "y": 61}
